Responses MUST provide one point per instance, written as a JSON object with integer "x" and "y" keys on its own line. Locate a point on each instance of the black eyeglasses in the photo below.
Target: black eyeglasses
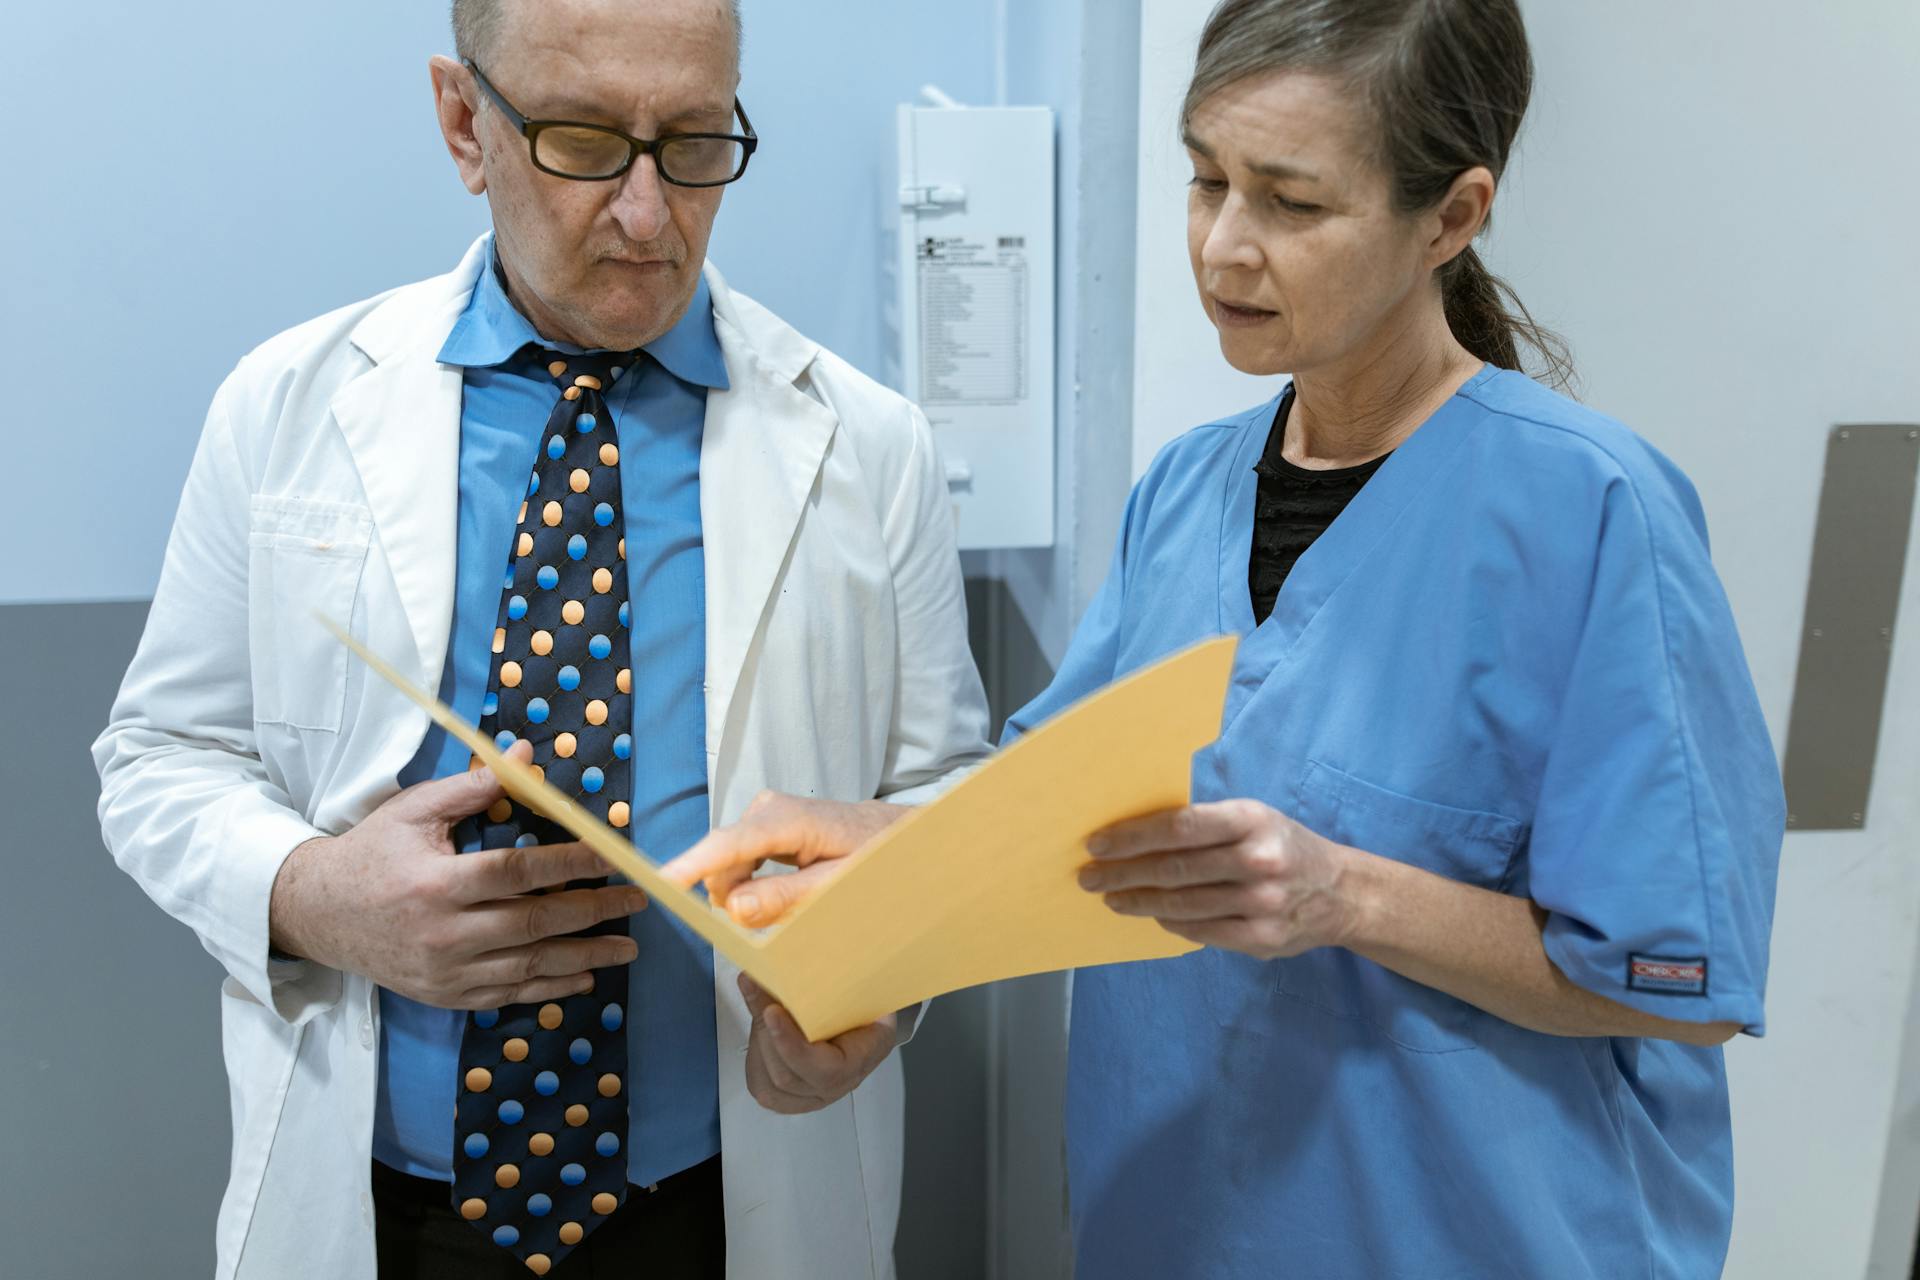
{"x": 598, "y": 152}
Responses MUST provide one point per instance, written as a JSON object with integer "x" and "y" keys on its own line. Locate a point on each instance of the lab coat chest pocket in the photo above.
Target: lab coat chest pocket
{"x": 1469, "y": 845}
{"x": 304, "y": 555}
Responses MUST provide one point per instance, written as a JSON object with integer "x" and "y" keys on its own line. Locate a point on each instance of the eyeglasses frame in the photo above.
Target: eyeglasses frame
{"x": 636, "y": 147}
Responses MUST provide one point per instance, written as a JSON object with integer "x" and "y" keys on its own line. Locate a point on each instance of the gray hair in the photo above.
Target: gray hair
{"x": 1447, "y": 83}
{"x": 476, "y": 27}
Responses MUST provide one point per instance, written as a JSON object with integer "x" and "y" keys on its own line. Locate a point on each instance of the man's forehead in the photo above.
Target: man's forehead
{"x": 608, "y": 59}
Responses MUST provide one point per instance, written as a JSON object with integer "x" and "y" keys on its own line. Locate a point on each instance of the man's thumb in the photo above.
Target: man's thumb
{"x": 448, "y": 800}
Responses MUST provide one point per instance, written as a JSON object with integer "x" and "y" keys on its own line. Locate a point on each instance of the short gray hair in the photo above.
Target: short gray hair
{"x": 476, "y": 26}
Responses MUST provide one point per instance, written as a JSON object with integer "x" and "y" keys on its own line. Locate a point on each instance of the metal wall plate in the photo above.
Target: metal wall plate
{"x": 1846, "y": 641}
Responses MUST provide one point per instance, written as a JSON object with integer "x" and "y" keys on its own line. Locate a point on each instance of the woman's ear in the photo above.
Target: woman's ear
{"x": 1460, "y": 214}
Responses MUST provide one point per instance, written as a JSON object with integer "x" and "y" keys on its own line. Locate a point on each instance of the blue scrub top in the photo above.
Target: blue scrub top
{"x": 1509, "y": 661}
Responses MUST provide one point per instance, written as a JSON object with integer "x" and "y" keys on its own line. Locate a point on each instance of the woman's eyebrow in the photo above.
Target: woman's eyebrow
{"x": 1265, "y": 168}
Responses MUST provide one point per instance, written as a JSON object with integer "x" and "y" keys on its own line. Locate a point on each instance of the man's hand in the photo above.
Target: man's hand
{"x": 1236, "y": 874}
{"x": 787, "y": 1074}
{"x": 810, "y": 834}
{"x": 392, "y": 899}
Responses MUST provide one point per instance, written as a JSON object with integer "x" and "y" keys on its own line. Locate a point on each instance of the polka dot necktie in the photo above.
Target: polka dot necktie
{"x": 541, "y": 1124}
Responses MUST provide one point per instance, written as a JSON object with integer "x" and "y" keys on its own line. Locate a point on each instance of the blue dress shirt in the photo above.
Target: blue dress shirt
{"x": 659, "y": 413}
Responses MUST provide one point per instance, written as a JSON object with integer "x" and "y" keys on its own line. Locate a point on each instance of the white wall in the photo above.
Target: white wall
{"x": 1716, "y": 203}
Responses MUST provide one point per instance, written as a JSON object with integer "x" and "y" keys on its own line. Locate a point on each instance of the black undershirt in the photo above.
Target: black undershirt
{"x": 1292, "y": 507}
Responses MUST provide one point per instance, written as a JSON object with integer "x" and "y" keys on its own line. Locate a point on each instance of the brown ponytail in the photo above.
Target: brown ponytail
{"x": 1448, "y": 81}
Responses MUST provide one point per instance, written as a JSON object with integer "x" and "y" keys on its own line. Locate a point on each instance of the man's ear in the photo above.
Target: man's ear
{"x": 1460, "y": 214}
{"x": 456, "y": 103}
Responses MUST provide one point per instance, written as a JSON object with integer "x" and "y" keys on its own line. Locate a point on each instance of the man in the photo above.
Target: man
{"x": 729, "y": 565}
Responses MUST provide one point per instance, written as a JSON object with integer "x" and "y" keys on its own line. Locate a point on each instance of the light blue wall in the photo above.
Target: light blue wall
{"x": 209, "y": 174}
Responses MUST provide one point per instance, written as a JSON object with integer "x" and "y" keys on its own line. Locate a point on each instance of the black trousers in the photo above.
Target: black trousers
{"x": 677, "y": 1231}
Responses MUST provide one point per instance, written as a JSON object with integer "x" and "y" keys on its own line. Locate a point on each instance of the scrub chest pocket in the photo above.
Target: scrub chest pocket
{"x": 303, "y": 555}
{"x": 1468, "y": 845}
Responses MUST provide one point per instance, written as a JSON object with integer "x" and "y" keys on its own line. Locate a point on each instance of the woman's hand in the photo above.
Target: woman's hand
{"x": 1235, "y": 874}
{"x": 810, "y": 834}
{"x": 789, "y": 1075}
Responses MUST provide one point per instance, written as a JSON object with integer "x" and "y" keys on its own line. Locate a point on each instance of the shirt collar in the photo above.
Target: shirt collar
{"x": 491, "y": 331}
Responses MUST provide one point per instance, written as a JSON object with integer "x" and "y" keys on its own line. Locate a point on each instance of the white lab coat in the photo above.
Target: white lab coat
{"x": 326, "y": 478}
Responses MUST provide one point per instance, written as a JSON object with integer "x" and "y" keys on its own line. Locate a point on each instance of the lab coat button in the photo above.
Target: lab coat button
{"x": 366, "y": 1033}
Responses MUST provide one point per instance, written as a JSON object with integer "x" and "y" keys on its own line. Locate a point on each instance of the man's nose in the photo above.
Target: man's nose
{"x": 640, "y": 202}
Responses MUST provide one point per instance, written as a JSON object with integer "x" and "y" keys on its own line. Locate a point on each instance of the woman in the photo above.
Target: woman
{"x": 1484, "y": 858}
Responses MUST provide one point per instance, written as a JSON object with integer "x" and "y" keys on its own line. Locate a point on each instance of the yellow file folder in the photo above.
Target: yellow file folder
{"x": 975, "y": 887}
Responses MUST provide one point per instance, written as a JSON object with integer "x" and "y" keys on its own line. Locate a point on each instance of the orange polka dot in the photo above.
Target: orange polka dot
{"x": 542, "y": 643}
{"x": 565, "y": 745}
{"x": 579, "y": 481}
{"x": 618, "y": 814}
{"x": 499, "y": 639}
{"x": 573, "y": 613}
{"x": 526, "y": 544}
{"x": 510, "y": 675}
{"x": 550, "y": 1016}
{"x": 515, "y": 1050}
{"x": 609, "y": 1085}
{"x": 603, "y": 580}
{"x": 623, "y": 548}
{"x": 596, "y": 712}
{"x": 551, "y": 514}
{"x": 473, "y": 1210}
{"x": 507, "y": 1176}
{"x": 587, "y": 380}
{"x": 576, "y": 1115}
{"x": 624, "y": 681}
{"x": 557, "y": 368}
{"x": 571, "y": 1233}
{"x": 479, "y": 1080}
{"x": 571, "y": 393}
{"x": 475, "y": 762}
{"x": 539, "y": 1263}
{"x": 605, "y": 1203}
{"x": 609, "y": 455}
{"x": 541, "y": 1144}
{"x": 538, "y": 772}
{"x": 522, "y": 517}
{"x": 500, "y": 810}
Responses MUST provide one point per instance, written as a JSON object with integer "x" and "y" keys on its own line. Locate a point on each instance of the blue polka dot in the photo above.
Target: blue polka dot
{"x": 572, "y": 1174}
{"x": 504, "y": 739}
{"x": 477, "y": 1145}
{"x": 539, "y": 1205}
{"x": 486, "y": 1019}
{"x": 581, "y": 1051}
{"x": 568, "y": 679}
{"x": 610, "y": 1017}
{"x": 599, "y": 646}
{"x": 526, "y": 841}
{"x": 591, "y": 780}
{"x": 603, "y": 514}
{"x": 491, "y": 707}
{"x": 548, "y": 577}
{"x": 538, "y": 711}
{"x": 556, "y": 448}
{"x": 511, "y": 1112}
{"x": 577, "y": 546}
{"x": 506, "y": 1236}
{"x": 533, "y": 485}
{"x": 607, "y": 1144}
{"x": 517, "y": 608}
{"x": 508, "y": 584}
{"x": 626, "y": 615}
{"x": 623, "y": 747}
{"x": 587, "y": 423}
{"x": 546, "y": 1084}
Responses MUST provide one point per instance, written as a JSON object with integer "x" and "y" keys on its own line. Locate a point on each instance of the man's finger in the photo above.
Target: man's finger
{"x": 765, "y": 899}
{"x": 554, "y": 958}
{"x": 1168, "y": 869}
{"x": 535, "y": 992}
{"x": 512, "y": 922}
{"x": 1193, "y": 827}
{"x": 1194, "y": 905}
{"x": 445, "y": 801}
{"x": 506, "y": 873}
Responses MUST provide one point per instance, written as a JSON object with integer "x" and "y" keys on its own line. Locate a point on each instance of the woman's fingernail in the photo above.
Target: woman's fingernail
{"x": 744, "y": 902}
